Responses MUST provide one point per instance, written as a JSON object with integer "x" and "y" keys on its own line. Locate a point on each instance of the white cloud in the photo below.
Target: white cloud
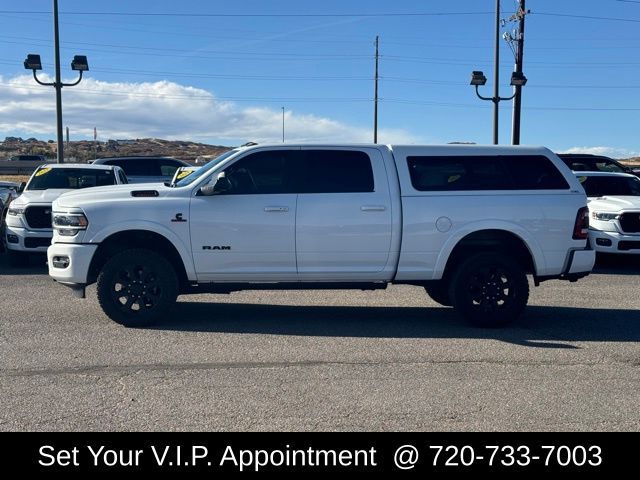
{"x": 606, "y": 151}
{"x": 164, "y": 109}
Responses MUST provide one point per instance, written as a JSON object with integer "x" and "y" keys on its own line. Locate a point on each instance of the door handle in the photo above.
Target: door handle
{"x": 373, "y": 208}
{"x": 276, "y": 209}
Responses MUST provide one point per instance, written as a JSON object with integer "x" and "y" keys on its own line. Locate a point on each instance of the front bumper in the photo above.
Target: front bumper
{"x": 614, "y": 242}
{"x": 79, "y": 259}
{"x": 24, "y": 240}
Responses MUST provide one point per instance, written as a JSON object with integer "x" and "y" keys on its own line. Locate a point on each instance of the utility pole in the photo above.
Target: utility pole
{"x": 282, "y": 124}
{"x": 517, "y": 102}
{"x": 496, "y": 73}
{"x": 375, "y": 101}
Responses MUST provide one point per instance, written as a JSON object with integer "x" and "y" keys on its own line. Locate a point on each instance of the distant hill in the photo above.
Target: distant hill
{"x": 633, "y": 161}
{"x": 84, "y": 150}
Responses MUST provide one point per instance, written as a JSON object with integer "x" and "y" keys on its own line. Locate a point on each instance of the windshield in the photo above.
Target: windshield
{"x": 204, "y": 170}
{"x": 613, "y": 186}
{"x": 73, "y": 178}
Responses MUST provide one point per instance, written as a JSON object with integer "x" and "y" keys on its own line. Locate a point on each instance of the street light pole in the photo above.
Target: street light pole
{"x": 282, "y": 124}
{"x": 375, "y": 94}
{"x": 496, "y": 73}
{"x": 58, "y": 83}
{"x": 79, "y": 63}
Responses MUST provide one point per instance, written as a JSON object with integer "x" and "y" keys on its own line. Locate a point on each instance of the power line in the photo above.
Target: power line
{"x": 542, "y": 108}
{"x": 336, "y": 39}
{"x": 218, "y": 76}
{"x": 310, "y": 15}
{"x": 333, "y": 39}
{"x": 235, "y": 56}
{"x": 259, "y": 15}
{"x": 229, "y": 55}
{"x": 182, "y": 52}
{"x": 587, "y": 17}
{"x": 215, "y": 52}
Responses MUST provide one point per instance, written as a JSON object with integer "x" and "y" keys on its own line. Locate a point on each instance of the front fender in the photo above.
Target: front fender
{"x": 180, "y": 242}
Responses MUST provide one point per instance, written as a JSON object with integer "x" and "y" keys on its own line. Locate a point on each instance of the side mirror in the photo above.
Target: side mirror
{"x": 220, "y": 185}
{"x": 21, "y": 187}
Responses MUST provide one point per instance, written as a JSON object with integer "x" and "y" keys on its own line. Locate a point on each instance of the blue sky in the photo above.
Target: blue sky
{"x": 220, "y": 72}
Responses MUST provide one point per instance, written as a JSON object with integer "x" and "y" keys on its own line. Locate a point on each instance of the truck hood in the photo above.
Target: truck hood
{"x": 615, "y": 204}
{"x": 76, "y": 198}
{"x": 39, "y": 196}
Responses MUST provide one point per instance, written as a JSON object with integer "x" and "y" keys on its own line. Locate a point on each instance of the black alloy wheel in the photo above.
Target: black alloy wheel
{"x": 137, "y": 287}
{"x": 489, "y": 289}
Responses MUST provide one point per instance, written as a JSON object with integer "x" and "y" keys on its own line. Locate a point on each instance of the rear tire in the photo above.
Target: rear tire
{"x": 489, "y": 290}
{"x": 137, "y": 287}
{"x": 439, "y": 292}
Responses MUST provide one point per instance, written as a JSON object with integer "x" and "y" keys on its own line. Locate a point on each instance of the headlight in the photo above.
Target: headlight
{"x": 15, "y": 211}
{"x": 69, "y": 224}
{"x": 604, "y": 216}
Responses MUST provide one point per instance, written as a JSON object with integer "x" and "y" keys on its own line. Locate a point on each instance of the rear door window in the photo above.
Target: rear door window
{"x": 335, "y": 171}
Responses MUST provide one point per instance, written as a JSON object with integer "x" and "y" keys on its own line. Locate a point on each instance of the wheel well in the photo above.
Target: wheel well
{"x": 136, "y": 239}
{"x": 484, "y": 241}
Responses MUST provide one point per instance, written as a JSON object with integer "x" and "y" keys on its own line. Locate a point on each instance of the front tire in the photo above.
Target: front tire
{"x": 489, "y": 290}
{"x": 137, "y": 287}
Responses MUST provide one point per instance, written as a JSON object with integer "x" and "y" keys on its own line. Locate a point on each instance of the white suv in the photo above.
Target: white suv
{"x": 28, "y": 218}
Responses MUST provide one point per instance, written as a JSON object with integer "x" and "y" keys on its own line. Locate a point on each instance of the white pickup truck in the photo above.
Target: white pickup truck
{"x": 466, "y": 222}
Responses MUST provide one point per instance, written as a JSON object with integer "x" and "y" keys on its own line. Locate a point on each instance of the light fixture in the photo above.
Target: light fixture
{"x": 32, "y": 62}
{"x": 478, "y": 78}
{"x": 80, "y": 63}
{"x": 518, "y": 79}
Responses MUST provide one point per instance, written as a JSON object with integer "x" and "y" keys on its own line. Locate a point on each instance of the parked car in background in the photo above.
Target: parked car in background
{"x": 145, "y": 169}
{"x": 582, "y": 162}
{"x": 182, "y": 173}
{"x": 27, "y": 158}
{"x": 8, "y": 192}
{"x": 614, "y": 210}
{"x": 28, "y": 217}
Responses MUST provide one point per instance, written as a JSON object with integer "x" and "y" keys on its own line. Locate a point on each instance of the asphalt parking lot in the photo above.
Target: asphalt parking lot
{"x": 322, "y": 360}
